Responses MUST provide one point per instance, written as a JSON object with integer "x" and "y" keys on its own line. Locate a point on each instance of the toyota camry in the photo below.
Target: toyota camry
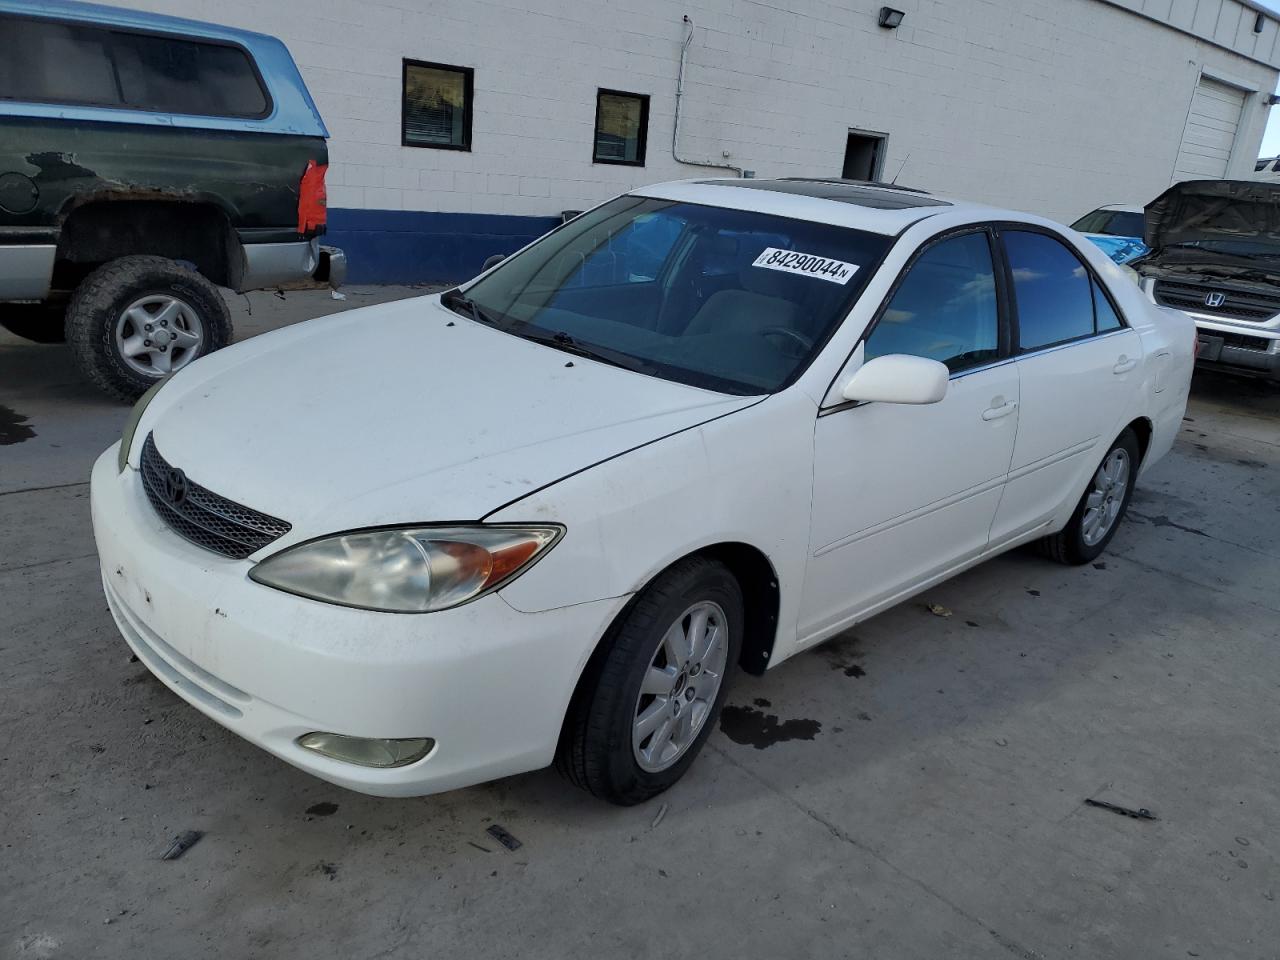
{"x": 548, "y": 515}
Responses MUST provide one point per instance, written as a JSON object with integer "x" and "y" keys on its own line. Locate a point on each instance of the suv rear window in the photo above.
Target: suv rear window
{"x": 44, "y": 61}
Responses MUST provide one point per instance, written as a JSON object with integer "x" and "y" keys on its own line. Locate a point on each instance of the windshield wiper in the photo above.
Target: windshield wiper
{"x": 459, "y": 302}
{"x": 562, "y": 341}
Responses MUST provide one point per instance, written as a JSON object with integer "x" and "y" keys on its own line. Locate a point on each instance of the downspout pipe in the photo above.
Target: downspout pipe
{"x": 675, "y": 128}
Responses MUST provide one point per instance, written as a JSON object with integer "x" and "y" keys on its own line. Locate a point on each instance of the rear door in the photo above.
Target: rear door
{"x": 1077, "y": 364}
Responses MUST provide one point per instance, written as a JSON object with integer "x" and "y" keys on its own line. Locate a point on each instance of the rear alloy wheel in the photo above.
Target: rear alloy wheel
{"x": 1101, "y": 507}
{"x": 650, "y": 697}
{"x": 158, "y": 334}
{"x": 135, "y": 320}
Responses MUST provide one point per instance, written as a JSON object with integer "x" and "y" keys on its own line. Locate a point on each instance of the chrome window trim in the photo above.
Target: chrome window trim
{"x": 1001, "y": 362}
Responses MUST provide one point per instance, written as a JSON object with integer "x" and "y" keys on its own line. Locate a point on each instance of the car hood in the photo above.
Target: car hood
{"x": 1199, "y": 211}
{"x": 404, "y": 413}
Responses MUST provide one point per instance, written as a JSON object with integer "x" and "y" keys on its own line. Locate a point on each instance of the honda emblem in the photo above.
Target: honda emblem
{"x": 1215, "y": 299}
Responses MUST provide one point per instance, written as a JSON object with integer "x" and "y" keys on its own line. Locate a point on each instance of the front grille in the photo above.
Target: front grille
{"x": 1238, "y": 305}
{"x": 203, "y": 517}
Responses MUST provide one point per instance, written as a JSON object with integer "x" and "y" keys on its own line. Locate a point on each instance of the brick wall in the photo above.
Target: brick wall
{"x": 1053, "y": 106}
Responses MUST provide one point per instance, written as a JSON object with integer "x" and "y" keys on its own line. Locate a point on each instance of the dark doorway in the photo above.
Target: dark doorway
{"x": 864, "y": 155}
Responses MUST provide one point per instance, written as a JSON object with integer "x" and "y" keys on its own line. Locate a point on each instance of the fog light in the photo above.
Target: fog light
{"x": 367, "y": 752}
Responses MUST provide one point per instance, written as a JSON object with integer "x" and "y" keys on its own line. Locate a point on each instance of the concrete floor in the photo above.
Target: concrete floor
{"x": 913, "y": 789}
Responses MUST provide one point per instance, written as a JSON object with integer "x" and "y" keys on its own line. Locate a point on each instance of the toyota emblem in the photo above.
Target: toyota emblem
{"x": 176, "y": 486}
{"x": 1215, "y": 299}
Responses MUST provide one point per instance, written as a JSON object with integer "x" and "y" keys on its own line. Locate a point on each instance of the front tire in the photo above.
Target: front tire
{"x": 136, "y": 320}
{"x": 1101, "y": 508}
{"x": 648, "y": 703}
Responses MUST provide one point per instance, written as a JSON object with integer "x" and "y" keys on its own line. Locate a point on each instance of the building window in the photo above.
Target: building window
{"x": 622, "y": 122}
{"x": 436, "y": 109}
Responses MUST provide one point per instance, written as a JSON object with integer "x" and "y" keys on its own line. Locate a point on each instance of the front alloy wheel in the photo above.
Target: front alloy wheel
{"x": 680, "y": 688}
{"x": 651, "y": 693}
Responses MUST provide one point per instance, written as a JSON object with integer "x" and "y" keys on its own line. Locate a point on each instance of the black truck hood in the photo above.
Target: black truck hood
{"x": 1212, "y": 212}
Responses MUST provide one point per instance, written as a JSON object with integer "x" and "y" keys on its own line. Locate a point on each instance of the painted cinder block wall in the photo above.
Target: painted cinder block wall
{"x": 1053, "y": 106}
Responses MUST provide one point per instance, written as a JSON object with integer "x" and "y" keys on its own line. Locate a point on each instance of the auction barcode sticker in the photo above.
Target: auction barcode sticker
{"x": 789, "y": 261}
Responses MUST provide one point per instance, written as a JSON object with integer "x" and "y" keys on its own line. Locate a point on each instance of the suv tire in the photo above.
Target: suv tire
{"x": 37, "y": 322}
{"x": 611, "y": 745}
{"x": 112, "y": 309}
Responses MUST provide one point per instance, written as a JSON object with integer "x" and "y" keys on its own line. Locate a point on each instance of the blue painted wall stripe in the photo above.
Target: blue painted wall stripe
{"x": 412, "y": 246}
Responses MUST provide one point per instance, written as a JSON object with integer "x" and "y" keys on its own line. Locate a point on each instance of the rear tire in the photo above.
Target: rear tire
{"x": 109, "y": 323}
{"x": 37, "y": 322}
{"x": 604, "y": 747}
{"x": 1101, "y": 508}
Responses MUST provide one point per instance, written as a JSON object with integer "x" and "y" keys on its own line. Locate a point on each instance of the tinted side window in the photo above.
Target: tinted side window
{"x": 169, "y": 75}
{"x": 1052, "y": 289}
{"x": 1107, "y": 318}
{"x": 58, "y": 62}
{"x": 49, "y": 62}
{"x": 945, "y": 307}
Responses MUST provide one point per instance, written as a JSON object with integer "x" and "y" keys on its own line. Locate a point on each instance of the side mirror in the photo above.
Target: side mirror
{"x": 898, "y": 378}
{"x": 493, "y": 261}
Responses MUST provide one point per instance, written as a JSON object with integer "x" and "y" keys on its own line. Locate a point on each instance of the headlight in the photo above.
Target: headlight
{"x": 131, "y": 425}
{"x": 409, "y": 569}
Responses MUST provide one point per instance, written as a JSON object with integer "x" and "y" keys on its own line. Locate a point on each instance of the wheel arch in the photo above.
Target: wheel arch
{"x": 761, "y": 597}
{"x": 104, "y": 228}
{"x": 1142, "y": 428}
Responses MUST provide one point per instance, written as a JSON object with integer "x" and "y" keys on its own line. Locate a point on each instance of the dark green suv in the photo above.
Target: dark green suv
{"x": 144, "y": 162}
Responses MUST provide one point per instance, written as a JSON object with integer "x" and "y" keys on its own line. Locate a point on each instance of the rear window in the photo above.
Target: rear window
{"x": 44, "y": 61}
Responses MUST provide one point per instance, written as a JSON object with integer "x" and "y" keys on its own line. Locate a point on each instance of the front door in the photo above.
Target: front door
{"x": 902, "y": 493}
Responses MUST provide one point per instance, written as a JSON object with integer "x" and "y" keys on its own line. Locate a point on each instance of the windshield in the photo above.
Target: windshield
{"x": 729, "y": 300}
{"x": 1114, "y": 223}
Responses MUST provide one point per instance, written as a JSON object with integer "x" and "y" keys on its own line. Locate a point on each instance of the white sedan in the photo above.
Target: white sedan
{"x": 549, "y": 514}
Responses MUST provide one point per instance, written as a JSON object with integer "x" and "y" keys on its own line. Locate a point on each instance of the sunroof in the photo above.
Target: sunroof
{"x": 876, "y": 196}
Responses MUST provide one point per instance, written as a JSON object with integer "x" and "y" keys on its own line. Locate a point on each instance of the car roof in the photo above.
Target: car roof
{"x": 873, "y": 207}
{"x": 1122, "y": 207}
{"x": 293, "y": 110}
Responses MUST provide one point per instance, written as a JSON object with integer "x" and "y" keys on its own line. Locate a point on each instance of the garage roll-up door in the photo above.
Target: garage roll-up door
{"x": 1211, "y": 132}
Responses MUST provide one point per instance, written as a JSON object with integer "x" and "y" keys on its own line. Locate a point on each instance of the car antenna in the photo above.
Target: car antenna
{"x": 894, "y": 181}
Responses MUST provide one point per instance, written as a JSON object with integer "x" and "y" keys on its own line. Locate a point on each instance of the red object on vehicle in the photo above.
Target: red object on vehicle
{"x": 313, "y": 204}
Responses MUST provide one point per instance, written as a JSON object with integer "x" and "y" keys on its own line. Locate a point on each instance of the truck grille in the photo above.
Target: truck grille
{"x": 200, "y": 515}
{"x": 1238, "y": 305}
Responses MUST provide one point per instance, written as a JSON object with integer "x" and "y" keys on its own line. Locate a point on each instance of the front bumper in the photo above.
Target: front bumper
{"x": 1237, "y": 347}
{"x": 1226, "y": 343}
{"x": 488, "y": 683}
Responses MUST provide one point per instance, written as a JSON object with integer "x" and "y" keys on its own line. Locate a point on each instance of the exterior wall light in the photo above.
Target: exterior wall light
{"x": 890, "y": 18}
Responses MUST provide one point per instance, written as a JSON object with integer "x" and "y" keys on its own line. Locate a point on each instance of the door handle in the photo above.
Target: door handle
{"x": 995, "y": 413}
{"x": 1124, "y": 365}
